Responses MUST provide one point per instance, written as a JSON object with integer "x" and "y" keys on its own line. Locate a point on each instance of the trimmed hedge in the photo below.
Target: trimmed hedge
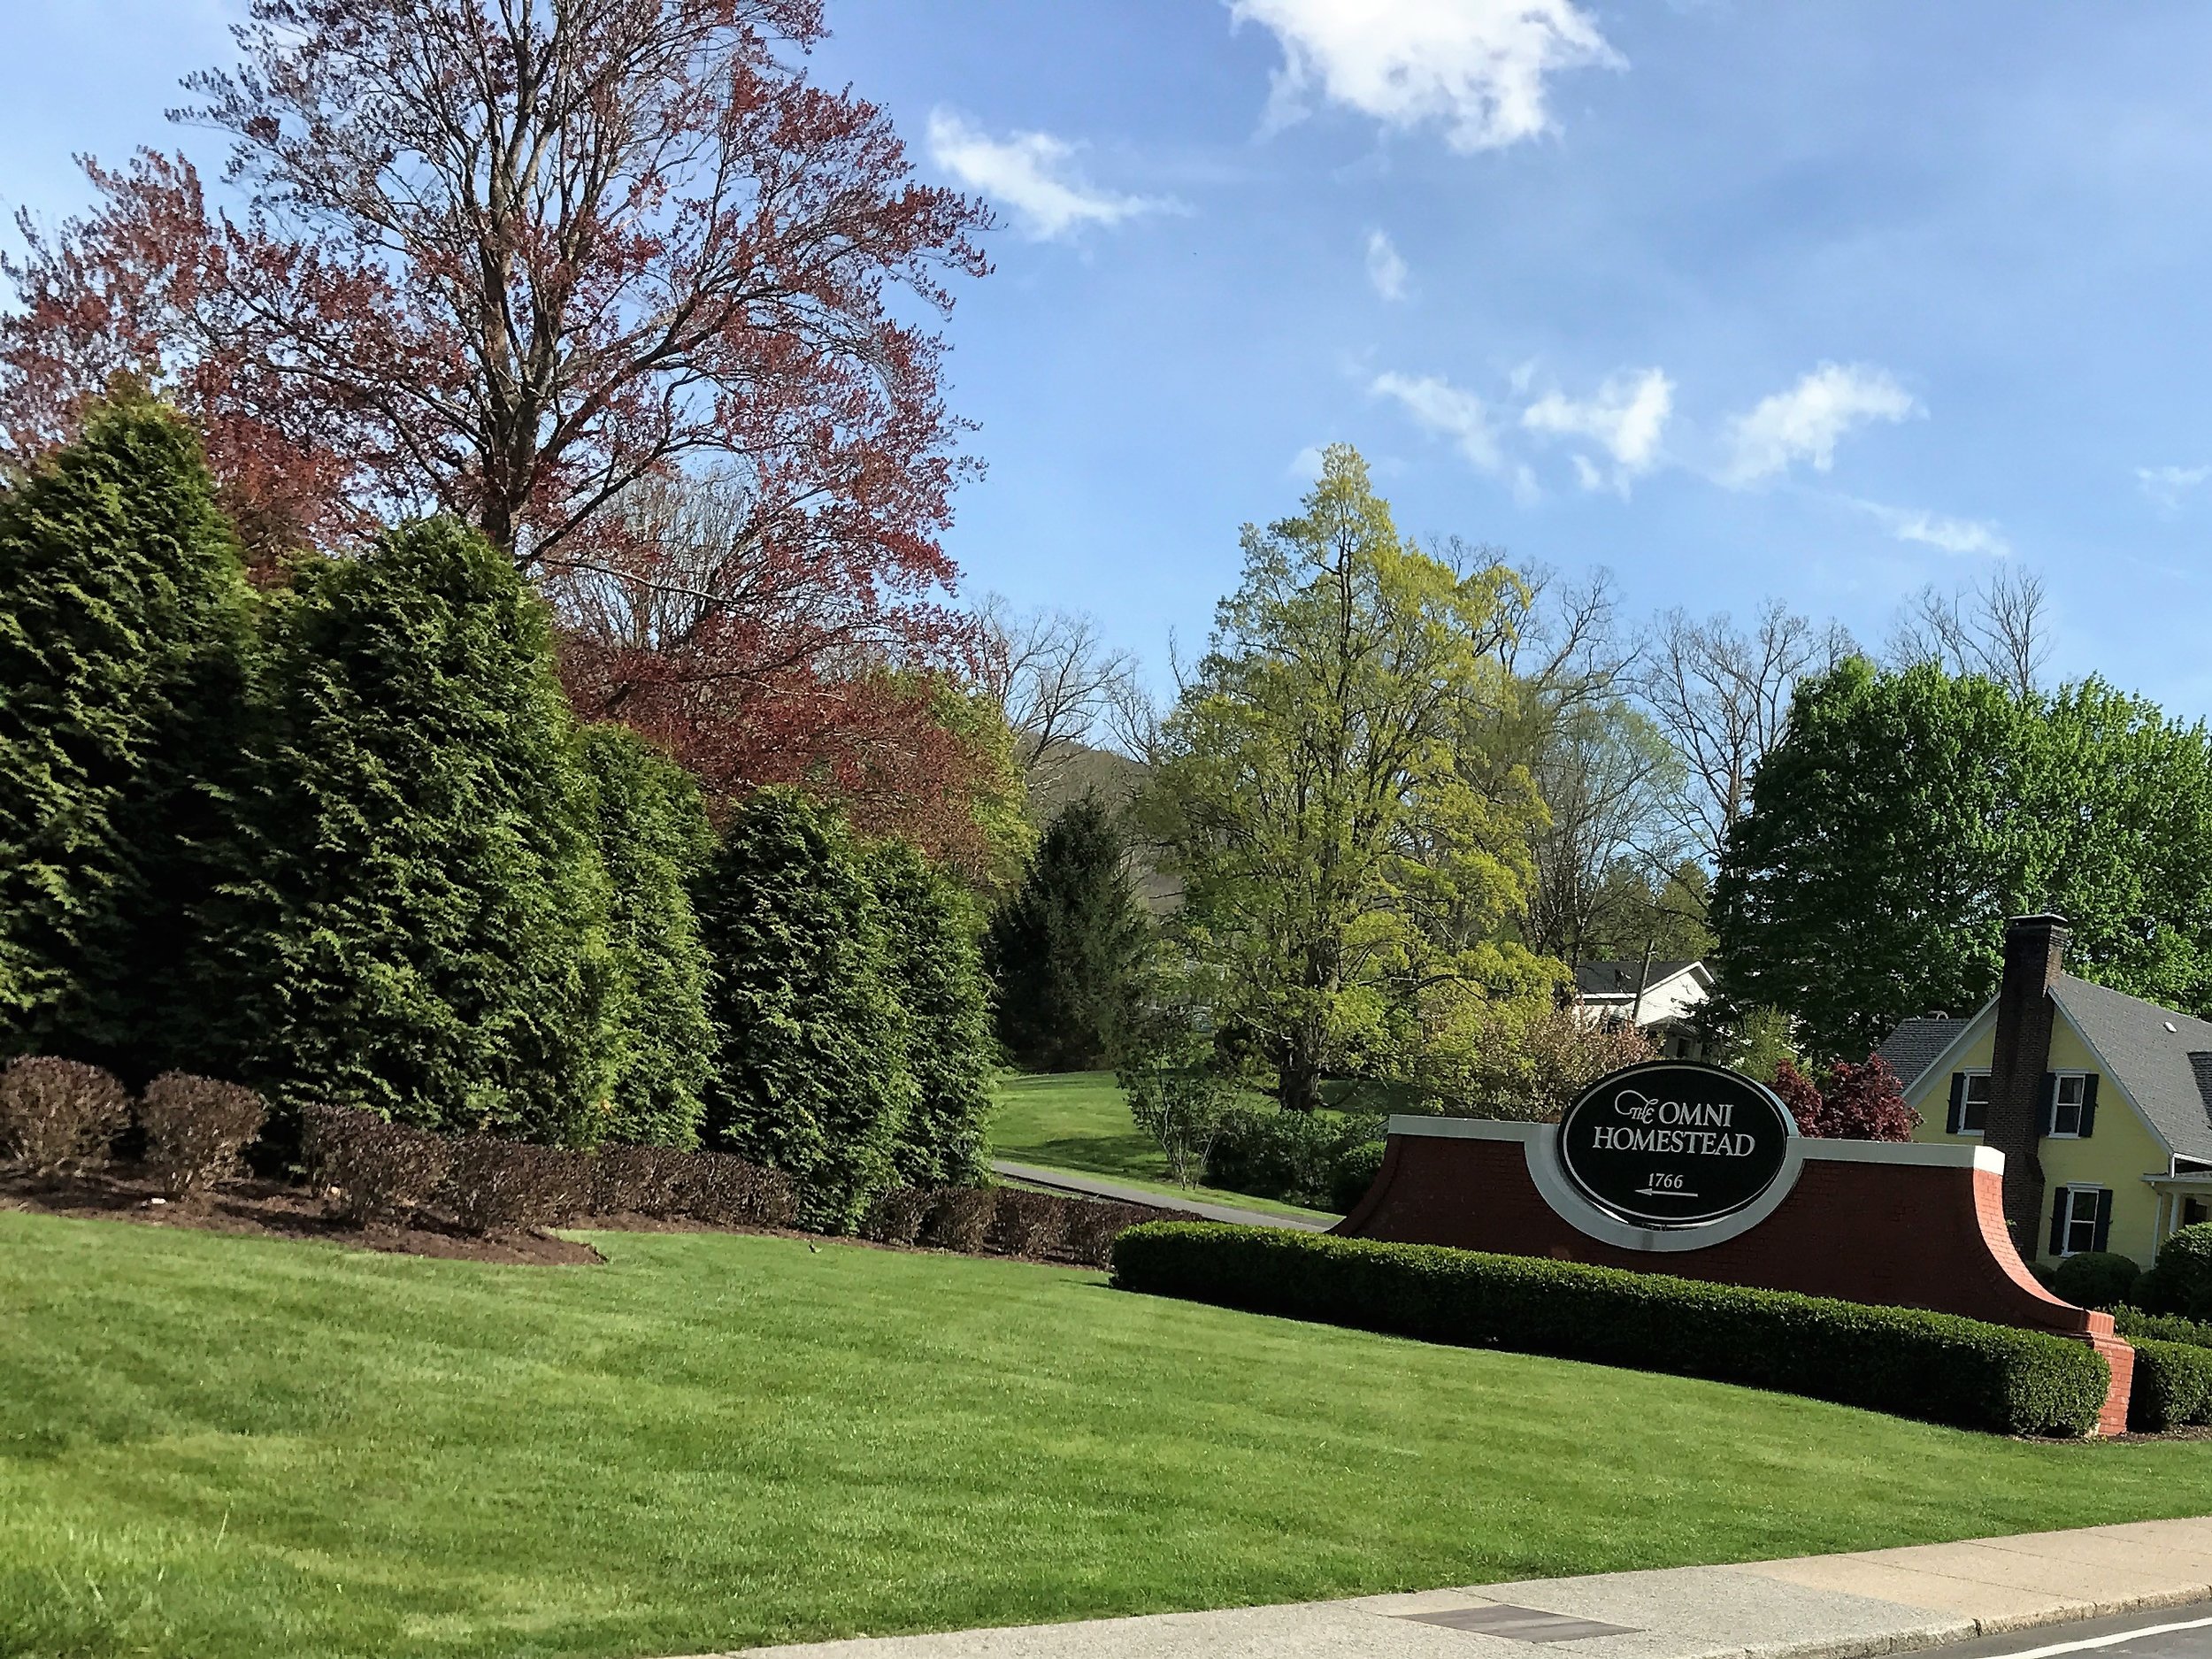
{"x": 2173, "y": 1386}
{"x": 2161, "y": 1327}
{"x": 1003, "y": 1221}
{"x": 2180, "y": 1281}
{"x": 1935, "y": 1366}
{"x": 2095, "y": 1278}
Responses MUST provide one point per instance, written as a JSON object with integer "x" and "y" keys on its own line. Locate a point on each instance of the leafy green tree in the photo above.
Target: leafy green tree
{"x": 654, "y": 840}
{"x": 1339, "y": 866}
{"x": 425, "y": 913}
{"x": 125, "y": 631}
{"x": 1064, "y": 945}
{"x": 935, "y": 965}
{"x": 810, "y": 1073}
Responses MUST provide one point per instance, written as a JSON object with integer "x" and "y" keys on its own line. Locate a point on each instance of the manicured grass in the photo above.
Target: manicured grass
{"x": 1079, "y": 1120}
{"x": 224, "y": 1446}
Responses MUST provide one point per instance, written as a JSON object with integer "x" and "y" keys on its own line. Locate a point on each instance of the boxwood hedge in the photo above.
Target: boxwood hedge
{"x": 1935, "y": 1366}
{"x": 2173, "y": 1385}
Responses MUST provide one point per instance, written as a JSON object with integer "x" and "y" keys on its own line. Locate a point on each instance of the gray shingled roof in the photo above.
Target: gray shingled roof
{"x": 2159, "y": 1067}
{"x": 1912, "y": 1046}
{"x": 1618, "y": 979}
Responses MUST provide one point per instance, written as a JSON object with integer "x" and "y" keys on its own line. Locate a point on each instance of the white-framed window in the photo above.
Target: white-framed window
{"x": 1974, "y": 1103}
{"x": 2078, "y": 1216}
{"x": 2069, "y": 1091}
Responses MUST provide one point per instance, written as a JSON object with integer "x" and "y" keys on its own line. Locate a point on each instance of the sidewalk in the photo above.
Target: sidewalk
{"x": 1092, "y": 1187}
{"x": 1823, "y": 1607}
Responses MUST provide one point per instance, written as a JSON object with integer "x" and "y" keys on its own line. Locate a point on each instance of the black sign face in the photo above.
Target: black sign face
{"x": 1673, "y": 1143}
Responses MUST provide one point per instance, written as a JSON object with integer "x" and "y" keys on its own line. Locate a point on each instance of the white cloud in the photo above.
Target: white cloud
{"x": 1444, "y": 409}
{"x": 1933, "y": 529}
{"x": 1805, "y": 422}
{"x": 1626, "y": 419}
{"x": 2167, "y": 485}
{"x": 1479, "y": 67}
{"x": 1029, "y": 173}
{"x": 1386, "y": 269}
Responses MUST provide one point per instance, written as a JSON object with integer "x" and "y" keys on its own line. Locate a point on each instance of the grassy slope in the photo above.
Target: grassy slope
{"x": 222, "y": 1447}
{"x": 1079, "y": 1120}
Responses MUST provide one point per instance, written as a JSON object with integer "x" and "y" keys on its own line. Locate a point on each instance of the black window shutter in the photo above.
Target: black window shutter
{"x": 2089, "y": 1109}
{"x": 1957, "y": 1120}
{"x": 2104, "y": 1218}
{"x": 2058, "y": 1222}
{"x": 2050, "y": 1101}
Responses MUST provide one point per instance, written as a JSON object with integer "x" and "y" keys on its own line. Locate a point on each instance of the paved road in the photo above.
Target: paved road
{"x": 1067, "y": 1181}
{"x": 2174, "y": 1633}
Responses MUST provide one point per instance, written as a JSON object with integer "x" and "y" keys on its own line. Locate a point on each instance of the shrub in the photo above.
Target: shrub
{"x": 960, "y": 1219}
{"x": 1356, "y": 1172}
{"x": 2095, "y": 1278}
{"x": 196, "y": 1128}
{"x": 726, "y": 1191}
{"x": 2173, "y": 1386}
{"x": 1028, "y": 1224}
{"x": 935, "y": 970}
{"x": 2180, "y": 1281}
{"x": 2165, "y": 1327}
{"x": 1914, "y": 1364}
{"x": 1291, "y": 1155}
{"x": 491, "y": 1184}
{"x": 654, "y": 839}
{"x": 636, "y": 1180}
{"x": 381, "y": 1170}
{"x": 897, "y": 1216}
{"x": 811, "y": 1075}
{"x": 125, "y": 625}
{"x": 1092, "y": 1225}
{"x": 426, "y": 905}
{"x": 54, "y": 1113}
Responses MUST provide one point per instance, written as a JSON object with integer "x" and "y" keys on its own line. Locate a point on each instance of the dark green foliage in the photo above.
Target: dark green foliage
{"x": 1356, "y": 1172}
{"x": 1295, "y": 1156}
{"x": 124, "y": 621}
{"x": 1904, "y": 815}
{"x": 428, "y": 912}
{"x": 2173, "y": 1386}
{"x": 654, "y": 840}
{"x": 810, "y": 1073}
{"x": 2096, "y": 1279}
{"x": 1064, "y": 947}
{"x": 2180, "y": 1281}
{"x": 1934, "y": 1366}
{"x": 2165, "y": 1327}
{"x": 936, "y": 971}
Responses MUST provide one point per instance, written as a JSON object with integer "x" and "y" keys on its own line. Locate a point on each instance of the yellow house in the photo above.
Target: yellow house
{"x": 2121, "y": 1116}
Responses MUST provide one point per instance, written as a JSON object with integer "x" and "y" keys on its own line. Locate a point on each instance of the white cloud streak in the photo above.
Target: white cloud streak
{"x": 1385, "y": 268}
{"x": 2168, "y": 485}
{"x": 1965, "y": 537}
{"x": 1806, "y": 422}
{"x": 1626, "y": 419}
{"x": 1478, "y": 66}
{"x": 1029, "y": 174}
{"x": 1438, "y": 405}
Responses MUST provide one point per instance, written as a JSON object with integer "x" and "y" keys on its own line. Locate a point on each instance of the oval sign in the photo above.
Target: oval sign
{"x": 1674, "y": 1143}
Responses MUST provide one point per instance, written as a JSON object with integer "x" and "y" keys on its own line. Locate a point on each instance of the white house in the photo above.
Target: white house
{"x": 1659, "y": 998}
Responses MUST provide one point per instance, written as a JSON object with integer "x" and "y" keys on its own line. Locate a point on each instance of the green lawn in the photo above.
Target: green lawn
{"x": 215, "y": 1446}
{"x": 1079, "y": 1120}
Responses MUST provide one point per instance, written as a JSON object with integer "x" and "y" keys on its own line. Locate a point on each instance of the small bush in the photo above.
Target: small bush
{"x": 2173, "y": 1386}
{"x": 1028, "y": 1224}
{"x": 1356, "y": 1172}
{"x": 896, "y": 1217}
{"x": 2181, "y": 1280}
{"x": 2162, "y": 1327}
{"x": 636, "y": 1180}
{"x": 381, "y": 1170}
{"x": 726, "y": 1191}
{"x": 1935, "y": 1366}
{"x": 56, "y": 1113}
{"x": 2095, "y": 1278}
{"x": 1092, "y": 1225}
{"x": 491, "y": 1184}
{"x": 960, "y": 1219}
{"x": 196, "y": 1127}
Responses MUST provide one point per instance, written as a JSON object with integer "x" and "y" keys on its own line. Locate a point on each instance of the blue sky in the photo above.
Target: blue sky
{"x": 1818, "y": 300}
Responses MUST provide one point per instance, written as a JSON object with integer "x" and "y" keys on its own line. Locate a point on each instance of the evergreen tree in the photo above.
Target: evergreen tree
{"x": 930, "y": 926}
{"x": 810, "y": 1074}
{"x": 654, "y": 840}
{"x": 125, "y": 628}
{"x": 1064, "y": 946}
{"x": 428, "y": 914}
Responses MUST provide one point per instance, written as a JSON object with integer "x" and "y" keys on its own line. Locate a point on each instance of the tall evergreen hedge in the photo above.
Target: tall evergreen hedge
{"x": 124, "y": 621}
{"x": 655, "y": 841}
{"x": 810, "y": 1073}
{"x": 1064, "y": 947}
{"x": 428, "y": 914}
{"x": 936, "y": 968}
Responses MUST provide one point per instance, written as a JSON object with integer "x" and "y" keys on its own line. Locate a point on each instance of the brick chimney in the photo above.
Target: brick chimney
{"x": 2035, "y": 952}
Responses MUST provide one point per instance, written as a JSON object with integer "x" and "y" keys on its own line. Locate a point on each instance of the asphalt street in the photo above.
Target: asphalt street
{"x": 2173, "y": 1633}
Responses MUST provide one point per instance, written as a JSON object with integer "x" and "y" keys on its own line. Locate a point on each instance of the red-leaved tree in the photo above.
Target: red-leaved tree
{"x": 561, "y": 267}
{"x": 1860, "y": 1102}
